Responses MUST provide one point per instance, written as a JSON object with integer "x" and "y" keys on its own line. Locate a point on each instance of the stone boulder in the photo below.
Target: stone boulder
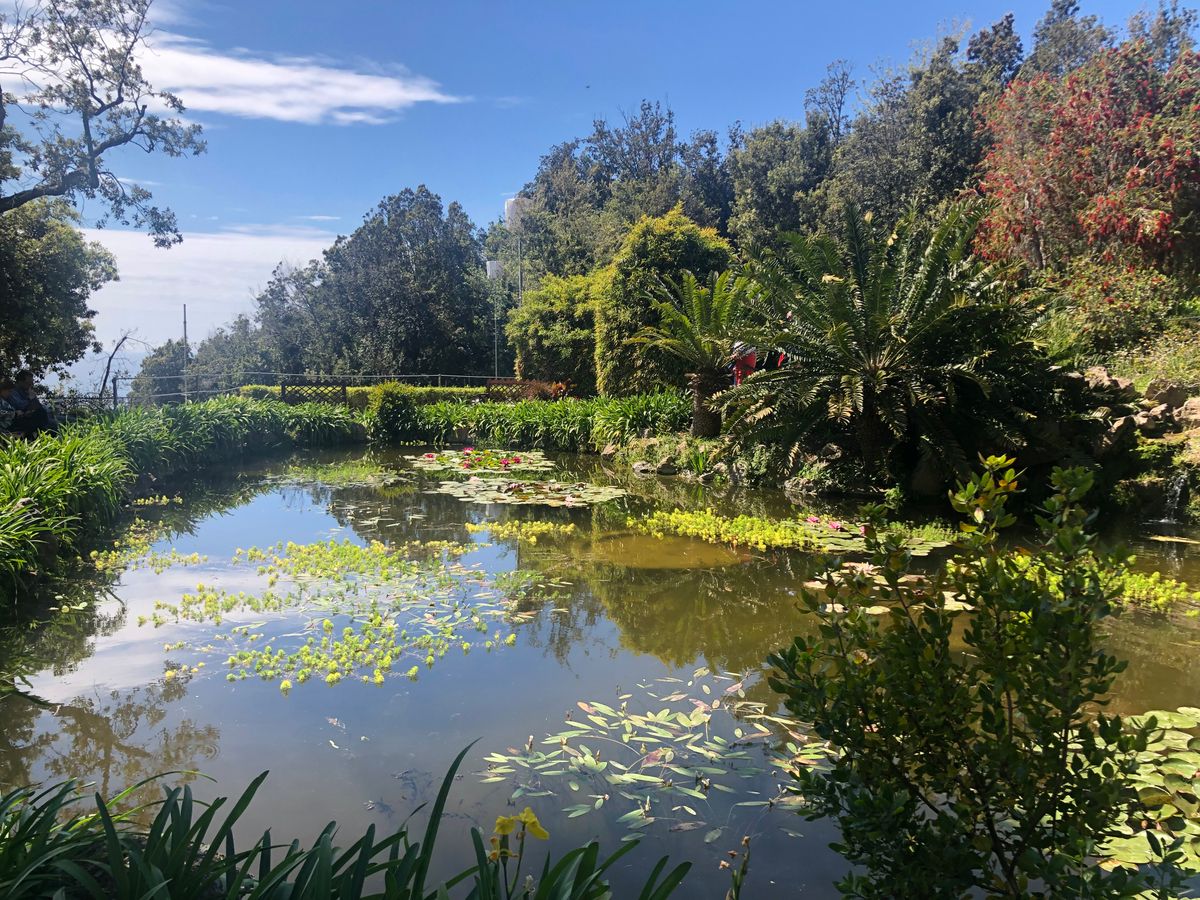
{"x": 1119, "y": 436}
{"x": 641, "y": 467}
{"x": 1099, "y": 380}
{"x": 1174, "y": 395}
{"x": 666, "y": 468}
{"x": 1188, "y": 415}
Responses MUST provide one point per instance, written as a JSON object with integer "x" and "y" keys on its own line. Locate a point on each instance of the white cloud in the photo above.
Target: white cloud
{"x": 215, "y": 273}
{"x": 319, "y": 218}
{"x": 290, "y": 89}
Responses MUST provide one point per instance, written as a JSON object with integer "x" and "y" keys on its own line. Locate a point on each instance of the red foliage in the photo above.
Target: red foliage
{"x": 1103, "y": 161}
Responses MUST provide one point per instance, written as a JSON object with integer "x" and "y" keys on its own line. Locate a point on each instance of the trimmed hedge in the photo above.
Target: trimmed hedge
{"x": 360, "y": 397}
{"x": 569, "y": 424}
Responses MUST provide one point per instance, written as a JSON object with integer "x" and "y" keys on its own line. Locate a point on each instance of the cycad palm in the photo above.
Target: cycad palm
{"x": 901, "y": 339}
{"x": 697, "y": 325}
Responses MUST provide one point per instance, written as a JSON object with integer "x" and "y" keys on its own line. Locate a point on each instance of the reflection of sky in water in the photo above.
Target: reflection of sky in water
{"x": 629, "y": 610}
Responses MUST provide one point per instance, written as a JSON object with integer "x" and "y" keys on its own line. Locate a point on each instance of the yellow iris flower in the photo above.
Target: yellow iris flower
{"x": 532, "y": 825}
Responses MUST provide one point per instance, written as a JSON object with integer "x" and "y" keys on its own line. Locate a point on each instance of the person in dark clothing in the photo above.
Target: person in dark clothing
{"x": 31, "y": 414}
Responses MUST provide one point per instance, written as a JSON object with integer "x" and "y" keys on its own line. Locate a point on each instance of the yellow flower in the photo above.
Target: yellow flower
{"x": 532, "y": 825}
{"x": 505, "y": 824}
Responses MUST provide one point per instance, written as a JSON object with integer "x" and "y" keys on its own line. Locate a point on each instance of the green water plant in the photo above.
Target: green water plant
{"x": 817, "y": 534}
{"x": 470, "y": 461}
{"x": 671, "y": 752}
{"x": 522, "y": 530}
{"x": 972, "y": 751}
{"x": 529, "y": 493}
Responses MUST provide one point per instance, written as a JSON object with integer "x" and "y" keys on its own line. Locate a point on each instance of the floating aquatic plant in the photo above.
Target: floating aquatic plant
{"x": 528, "y": 493}
{"x": 662, "y": 755}
{"x": 475, "y": 462}
{"x": 812, "y": 533}
{"x": 528, "y": 531}
{"x": 132, "y": 550}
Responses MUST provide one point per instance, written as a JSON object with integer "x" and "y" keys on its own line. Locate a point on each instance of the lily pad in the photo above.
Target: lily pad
{"x": 528, "y": 493}
{"x": 470, "y": 461}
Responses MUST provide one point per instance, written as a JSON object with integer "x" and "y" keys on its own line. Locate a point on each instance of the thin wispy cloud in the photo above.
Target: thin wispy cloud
{"x": 305, "y": 90}
{"x": 319, "y": 218}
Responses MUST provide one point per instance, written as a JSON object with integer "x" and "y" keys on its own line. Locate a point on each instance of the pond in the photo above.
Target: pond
{"x": 612, "y": 680}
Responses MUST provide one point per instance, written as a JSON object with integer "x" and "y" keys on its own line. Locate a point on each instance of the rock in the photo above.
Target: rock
{"x": 1119, "y": 436}
{"x": 1188, "y": 414}
{"x": 1099, "y": 379}
{"x": 1169, "y": 392}
{"x": 609, "y": 451}
{"x": 666, "y": 467}
{"x": 830, "y": 452}
{"x": 1150, "y": 426}
{"x": 641, "y": 467}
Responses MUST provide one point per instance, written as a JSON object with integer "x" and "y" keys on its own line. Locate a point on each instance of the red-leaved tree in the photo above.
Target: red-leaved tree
{"x": 1102, "y": 162}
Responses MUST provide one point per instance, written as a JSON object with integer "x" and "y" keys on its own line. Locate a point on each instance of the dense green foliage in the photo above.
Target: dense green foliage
{"x": 986, "y": 771}
{"x": 654, "y": 249}
{"x": 47, "y": 274}
{"x": 187, "y": 850}
{"x": 569, "y": 424}
{"x": 554, "y": 331}
{"x": 53, "y": 489}
{"x": 360, "y": 397}
{"x": 699, "y": 325}
{"x": 901, "y": 342}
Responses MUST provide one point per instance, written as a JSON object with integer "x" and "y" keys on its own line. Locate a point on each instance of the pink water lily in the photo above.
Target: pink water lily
{"x": 813, "y": 520}
{"x": 836, "y": 526}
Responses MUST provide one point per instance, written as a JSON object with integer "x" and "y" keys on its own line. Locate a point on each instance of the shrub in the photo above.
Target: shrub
{"x": 360, "y": 397}
{"x": 1174, "y": 357}
{"x": 976, "y": 759}
{"x": 554, "y": 332}
{"x": 655, "y": 248}
{"x": 392, "y": 413}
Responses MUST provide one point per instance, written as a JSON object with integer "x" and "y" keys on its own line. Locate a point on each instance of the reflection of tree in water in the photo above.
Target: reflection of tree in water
{"x": 114, "y": 739}
{"x": 731, "y": 617}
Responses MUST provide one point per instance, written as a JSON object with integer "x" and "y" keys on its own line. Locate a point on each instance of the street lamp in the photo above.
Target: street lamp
{"x": 495, "y": 272}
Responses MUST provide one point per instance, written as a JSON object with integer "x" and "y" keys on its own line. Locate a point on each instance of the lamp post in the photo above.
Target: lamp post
{"x": 495, "y": 272}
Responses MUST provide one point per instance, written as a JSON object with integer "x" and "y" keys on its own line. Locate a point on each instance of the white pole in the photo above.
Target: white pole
{"x": 186, "y": 353}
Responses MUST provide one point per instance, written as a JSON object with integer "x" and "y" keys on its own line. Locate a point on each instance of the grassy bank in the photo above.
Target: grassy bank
{"x": 53, "y": 489}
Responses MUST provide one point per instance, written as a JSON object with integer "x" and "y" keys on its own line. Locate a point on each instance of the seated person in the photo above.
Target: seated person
{"x": 7, "y": 413}
{"x": 31, "y": 415}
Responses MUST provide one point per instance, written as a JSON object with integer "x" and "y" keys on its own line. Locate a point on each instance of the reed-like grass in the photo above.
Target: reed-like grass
{"x": 51, "y": 847}
{"x": 569, "y": 424}
{"x": 55, "y": 486}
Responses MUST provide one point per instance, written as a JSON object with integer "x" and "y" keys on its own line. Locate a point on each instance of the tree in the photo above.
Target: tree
{"x": 404, "y": 294}
{"x": 160, "y": 379}
{"x": 779, "y": 173}
{"x": 554, "y": 333}
{"x": 828, "y": 99}
{"x": 47, "y": 273}
{"x": 654, "y": 249}
{"x": 699, "y": 325}
{"x": 1064, "y": 40}
{"x": 917, "y": 143}
{"x": 1103, "y": 161}
{"x": 898, "y": 336}
{"x": 81, "y": 95}
{"x": 972, "y": 754}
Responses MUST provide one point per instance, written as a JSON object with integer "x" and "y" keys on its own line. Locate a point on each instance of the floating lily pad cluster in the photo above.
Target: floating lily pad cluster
{"x": 397, "y": 608}
{"x": 1168, "y": 786}
{"x": 488, "y": 462}
{"x": 351, "y": 473}
{"x": 663, "y": 755}
{"x": 812, "y": 533}
{"x": 528, "y": 493}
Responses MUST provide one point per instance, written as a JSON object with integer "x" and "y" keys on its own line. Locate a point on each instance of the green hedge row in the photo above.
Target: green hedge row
{"x": 360, "y": 397}
{"x": 52, "y": 486}
{"x": 569, "y": 424}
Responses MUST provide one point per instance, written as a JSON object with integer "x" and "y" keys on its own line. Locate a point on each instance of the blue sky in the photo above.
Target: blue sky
{"x": 315, "y": 110}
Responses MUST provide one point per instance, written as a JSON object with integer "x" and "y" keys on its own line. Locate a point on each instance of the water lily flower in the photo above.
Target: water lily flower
{"x": 813, "y": 520}
{"x": 835, "y": 526}
{"x": 430, "y": 456}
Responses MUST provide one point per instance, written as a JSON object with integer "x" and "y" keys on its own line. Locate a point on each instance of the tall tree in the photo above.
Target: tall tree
{"x": 1064, "y": 40}
{"x": 828, "y": 99}
{"x": 47, "y": 273}
{"x": 72, "y": 92}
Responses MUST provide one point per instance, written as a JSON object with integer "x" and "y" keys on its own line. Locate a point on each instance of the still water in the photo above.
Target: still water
{"x": 575, "y": 632}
